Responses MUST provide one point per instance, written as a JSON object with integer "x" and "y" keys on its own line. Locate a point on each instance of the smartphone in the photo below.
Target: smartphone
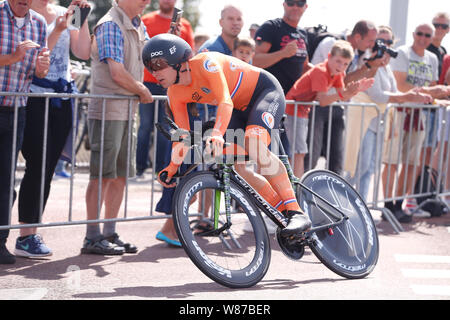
{"x": 177, "y": 13}
{"x": 77, "y": 19}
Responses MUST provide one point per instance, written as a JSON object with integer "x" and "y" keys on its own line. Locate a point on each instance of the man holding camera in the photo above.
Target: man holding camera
{"x": 362, "y": 38}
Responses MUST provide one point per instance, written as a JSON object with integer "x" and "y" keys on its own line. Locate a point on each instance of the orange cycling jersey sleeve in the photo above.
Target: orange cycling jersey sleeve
{"x": 219, "y": 80}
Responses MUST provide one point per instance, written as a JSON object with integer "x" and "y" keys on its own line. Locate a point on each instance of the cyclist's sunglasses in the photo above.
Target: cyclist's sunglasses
{"x": 387, "y": 42}
{"x": 421, "y": 34}
{"x": 157, "y": 64}
{"x": 443, "y": 26}
{"x": 299, "y": 4}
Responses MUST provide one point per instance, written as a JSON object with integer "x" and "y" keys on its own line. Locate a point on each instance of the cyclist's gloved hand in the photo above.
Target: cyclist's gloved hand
{"x": 214, "y": 145}
{"x": 165, "y": 176}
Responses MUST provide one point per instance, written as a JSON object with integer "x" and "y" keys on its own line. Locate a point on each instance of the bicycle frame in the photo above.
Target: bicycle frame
{"x": 225, "y": 172}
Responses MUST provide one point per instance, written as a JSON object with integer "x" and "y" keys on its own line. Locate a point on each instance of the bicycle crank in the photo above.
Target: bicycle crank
{"x": 292, "y": 247}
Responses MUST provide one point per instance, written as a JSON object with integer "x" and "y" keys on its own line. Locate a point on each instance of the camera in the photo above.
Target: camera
{"x": 380, "y": 48}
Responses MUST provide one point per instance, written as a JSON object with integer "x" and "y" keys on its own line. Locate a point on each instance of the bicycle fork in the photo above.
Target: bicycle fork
{"x": 227, "y": 197}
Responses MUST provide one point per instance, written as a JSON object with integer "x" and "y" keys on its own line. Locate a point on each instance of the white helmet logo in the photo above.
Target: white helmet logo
{"x": 155, "y": 54}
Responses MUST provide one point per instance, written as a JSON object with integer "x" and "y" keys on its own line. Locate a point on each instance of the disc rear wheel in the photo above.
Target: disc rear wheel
{"x": 351, "y": 248}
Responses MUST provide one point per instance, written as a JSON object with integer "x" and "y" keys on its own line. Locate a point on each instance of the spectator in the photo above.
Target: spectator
{"x": 231, "y": 22}
{"x": 281, "y": 48}
{"x": 416, "y": 68}
{"x": 244, "y": 49}
{"x": 252, "y": 30}
{"x": 156, "y": 22}
{"x": 199, "y": 40}
{"x": 362, "y": 38}
{"x": 383, "y": 91}
{"x": 443, "y": 79}
{"x": 59, "y": 122}
{"x": 441, "y": 23}
{"x": 315, "y": 85}
{"x": 116, "y": 69}
{"x": 23, "y": 54}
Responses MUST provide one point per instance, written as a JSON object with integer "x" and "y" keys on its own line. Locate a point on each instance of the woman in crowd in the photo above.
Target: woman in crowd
{"x": 63, "y": 38}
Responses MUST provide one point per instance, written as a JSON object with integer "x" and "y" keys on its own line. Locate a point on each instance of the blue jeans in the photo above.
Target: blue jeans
{"x": 366, "y": 163}
{"x": 6, "y": 144}
{"x": 144, "y": 141}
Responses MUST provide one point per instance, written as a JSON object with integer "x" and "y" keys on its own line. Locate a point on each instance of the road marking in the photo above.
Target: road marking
{"x": 431, "y": 290}
{"x": 426, "y": 273}
{"x": 421, "y": 258}
{"x": 23, "y": 294}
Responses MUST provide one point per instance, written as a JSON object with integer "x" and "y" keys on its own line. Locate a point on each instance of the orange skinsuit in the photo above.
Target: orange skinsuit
{"x": 218, "y": 78}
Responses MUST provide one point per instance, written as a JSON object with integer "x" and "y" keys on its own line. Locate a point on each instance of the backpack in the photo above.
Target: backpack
{"x": 433, "y": 205}
{"x": 315, "y": 35}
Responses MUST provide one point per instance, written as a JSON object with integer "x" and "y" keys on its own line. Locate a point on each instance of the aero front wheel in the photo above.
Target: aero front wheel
{"x": 351, "y": 248}
{"x": 236, "y": 257}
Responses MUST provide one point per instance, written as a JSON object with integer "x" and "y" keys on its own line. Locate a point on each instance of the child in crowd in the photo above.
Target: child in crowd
{"x": 244, "y": 49}
{"x": 315, "y": 85}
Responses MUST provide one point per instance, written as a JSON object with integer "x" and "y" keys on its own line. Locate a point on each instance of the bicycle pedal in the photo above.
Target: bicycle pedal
{"x": 292, "y": 247}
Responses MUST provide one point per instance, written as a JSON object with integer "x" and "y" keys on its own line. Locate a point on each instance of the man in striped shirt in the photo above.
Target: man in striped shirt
{"x": 23, "y": 52}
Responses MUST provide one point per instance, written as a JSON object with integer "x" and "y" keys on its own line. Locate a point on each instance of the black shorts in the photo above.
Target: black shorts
{"x": 264, "y": 112}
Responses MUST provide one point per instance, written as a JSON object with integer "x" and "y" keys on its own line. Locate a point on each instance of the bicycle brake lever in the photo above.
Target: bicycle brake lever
{"x": 175, "y": 127}
{"x": 164, "y": 132}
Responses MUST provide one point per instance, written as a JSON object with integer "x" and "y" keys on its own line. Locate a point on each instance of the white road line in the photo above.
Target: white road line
{"x": 431, "y": 290}
{"x": 419, "y": 258}
{"x": 426, "y": 273}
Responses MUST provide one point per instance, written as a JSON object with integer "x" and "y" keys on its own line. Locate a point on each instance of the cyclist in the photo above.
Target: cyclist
{"x": 247, "y": 97}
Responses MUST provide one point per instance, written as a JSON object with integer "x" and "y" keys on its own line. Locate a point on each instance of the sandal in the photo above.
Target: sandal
{"x": 203, "y": 226}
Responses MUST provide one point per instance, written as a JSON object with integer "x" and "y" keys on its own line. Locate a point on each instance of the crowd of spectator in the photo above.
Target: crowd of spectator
{"x": 35, "y": 57}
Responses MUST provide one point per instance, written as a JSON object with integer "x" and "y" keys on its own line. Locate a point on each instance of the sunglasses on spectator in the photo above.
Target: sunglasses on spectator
{"x": 388, "y": 42}
{"x": 443, "y": 26}
{"x": 299, "y": 4}
{"x": 421, "y": 34}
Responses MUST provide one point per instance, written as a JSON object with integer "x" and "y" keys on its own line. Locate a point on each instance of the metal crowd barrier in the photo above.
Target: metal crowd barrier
{"x": 364, "y": 112}
{"x": 428, "y": 125}
{"x": 77, "y": 97}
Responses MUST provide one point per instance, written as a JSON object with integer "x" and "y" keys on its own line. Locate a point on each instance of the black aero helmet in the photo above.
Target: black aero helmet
{"x": 165, "y": 50}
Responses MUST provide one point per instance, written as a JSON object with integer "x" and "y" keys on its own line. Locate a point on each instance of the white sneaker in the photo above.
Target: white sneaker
{"x": 411, "y": 208}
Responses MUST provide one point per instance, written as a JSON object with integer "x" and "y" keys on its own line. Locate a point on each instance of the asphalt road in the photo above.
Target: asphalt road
{"x": 413, "y": 265}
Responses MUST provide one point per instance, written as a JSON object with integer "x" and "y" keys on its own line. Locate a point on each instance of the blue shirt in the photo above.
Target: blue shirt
{"x": 217, "y": 45}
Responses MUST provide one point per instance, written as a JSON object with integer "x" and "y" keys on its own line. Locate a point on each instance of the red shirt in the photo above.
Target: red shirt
{"x": 157, "y": 24}
{"x": 445, "y": 67}
{"x": 317, "y": 79}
